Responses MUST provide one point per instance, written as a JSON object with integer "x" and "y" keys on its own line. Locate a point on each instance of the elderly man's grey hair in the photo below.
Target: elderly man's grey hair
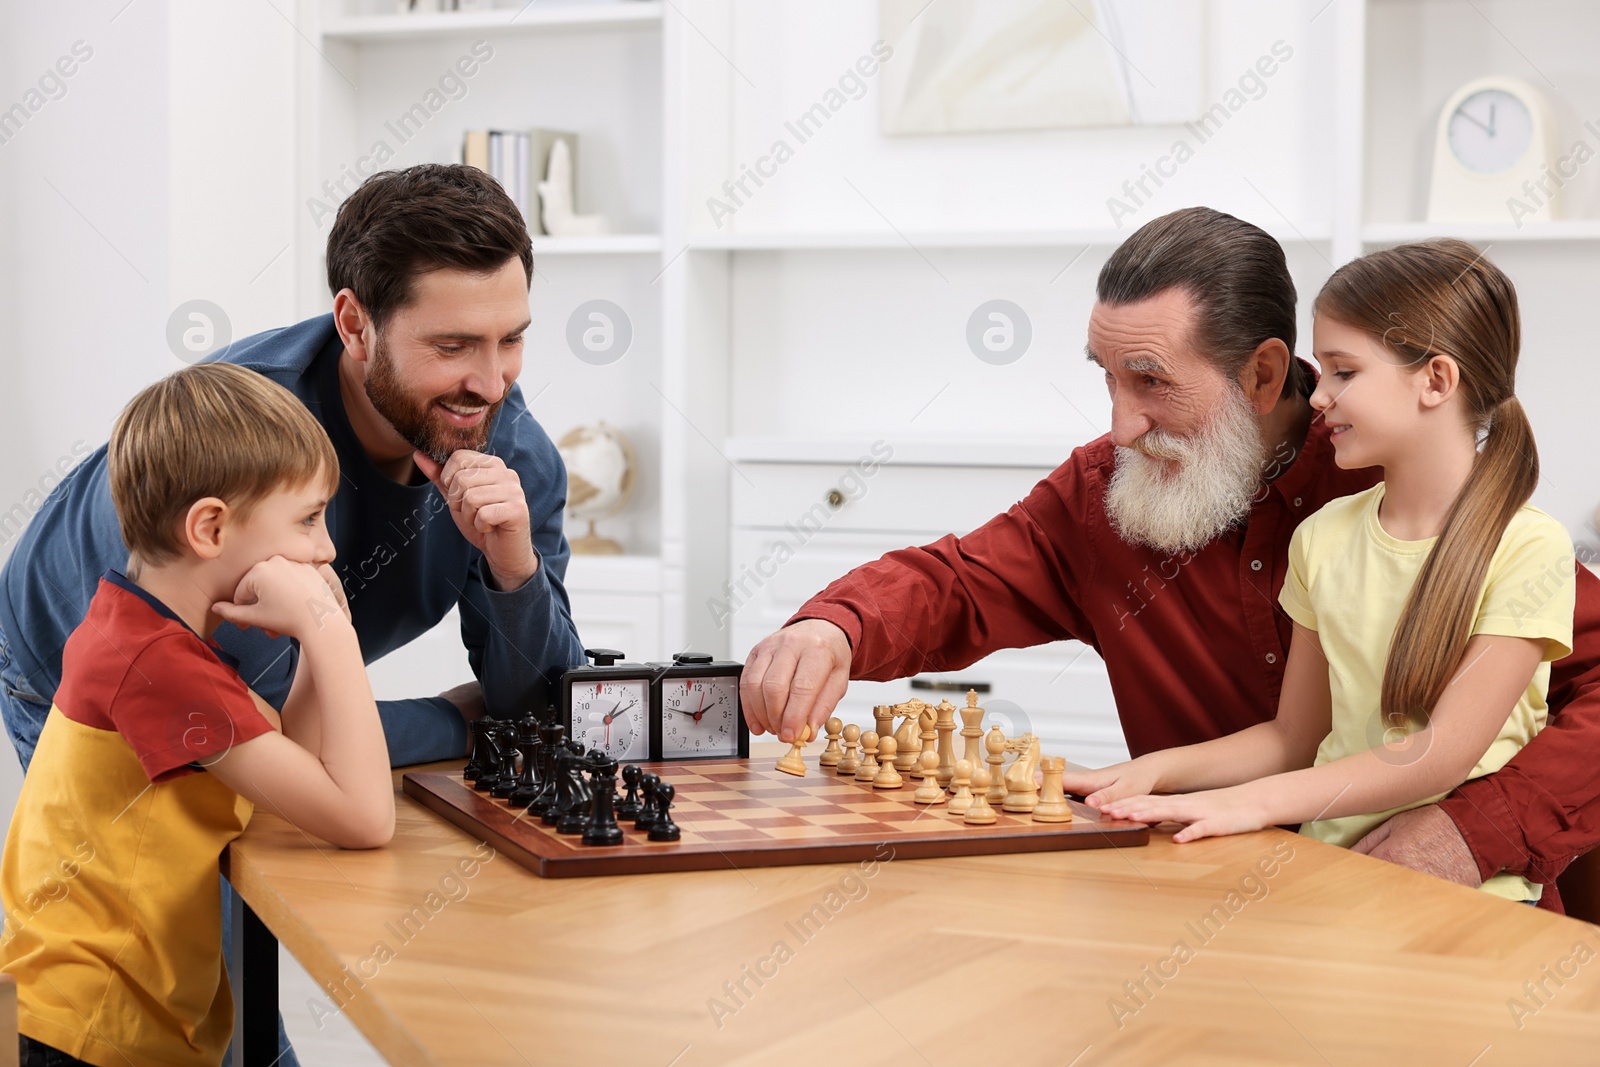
{"x": 1235, "y": 273}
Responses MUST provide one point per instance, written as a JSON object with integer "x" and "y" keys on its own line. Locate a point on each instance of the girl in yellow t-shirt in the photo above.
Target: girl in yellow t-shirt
{"x": 1427, "y": 609}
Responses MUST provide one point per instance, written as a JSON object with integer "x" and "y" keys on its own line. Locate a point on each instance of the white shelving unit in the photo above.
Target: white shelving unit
{"x": 1391, "y": 233}
{"x": 1105, "y": 237}
{"x": 609, "y": 244}
{"x": 831, "y": 305}
{"x": 526, "y": 18}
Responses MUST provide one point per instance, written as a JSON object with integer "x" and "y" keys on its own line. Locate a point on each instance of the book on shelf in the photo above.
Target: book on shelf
{"x": 518, "y": 159}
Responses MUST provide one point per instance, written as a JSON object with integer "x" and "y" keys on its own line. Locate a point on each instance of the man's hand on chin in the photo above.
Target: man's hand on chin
{"x": 490, "y": 510}
{"x": 1424, "y": 839}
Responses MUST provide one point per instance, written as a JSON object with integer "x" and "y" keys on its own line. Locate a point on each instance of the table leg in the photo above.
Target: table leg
{"x": 255, "y": 998}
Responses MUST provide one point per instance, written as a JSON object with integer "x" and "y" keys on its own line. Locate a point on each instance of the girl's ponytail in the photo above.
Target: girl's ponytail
{"x": 1423, "y": 300}
{"x": 1437, "y": 621}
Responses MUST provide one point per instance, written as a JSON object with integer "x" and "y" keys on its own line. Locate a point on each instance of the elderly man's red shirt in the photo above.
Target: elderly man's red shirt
{"x": 1195, "y": 643}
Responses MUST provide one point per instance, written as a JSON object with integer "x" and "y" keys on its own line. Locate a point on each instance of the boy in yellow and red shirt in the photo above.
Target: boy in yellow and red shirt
{"x": 155, "y": 751}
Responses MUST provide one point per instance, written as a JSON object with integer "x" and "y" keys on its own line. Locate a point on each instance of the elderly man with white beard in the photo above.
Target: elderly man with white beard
{"x": 1163, "y": 545}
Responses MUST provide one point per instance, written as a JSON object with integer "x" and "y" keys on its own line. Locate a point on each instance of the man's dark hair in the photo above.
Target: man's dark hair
{"x": 1235, "y": 273}
{"x": 402, "y": 223}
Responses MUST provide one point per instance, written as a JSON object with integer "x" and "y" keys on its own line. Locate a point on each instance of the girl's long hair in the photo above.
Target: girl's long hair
{"x": 1431, "y": 298}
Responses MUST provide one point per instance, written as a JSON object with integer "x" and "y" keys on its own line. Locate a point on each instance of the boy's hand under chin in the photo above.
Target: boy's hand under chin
{"x": 280, "y": 596}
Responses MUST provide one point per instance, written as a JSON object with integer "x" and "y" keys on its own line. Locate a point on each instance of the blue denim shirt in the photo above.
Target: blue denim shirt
{"x": 403, "y": 562}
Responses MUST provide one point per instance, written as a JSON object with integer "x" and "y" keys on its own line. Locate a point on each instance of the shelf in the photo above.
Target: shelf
{"x": 536, "y": 17}
{"x": 1042, "y": 453}
{"x": 1104, "y": 237}
{"x": 1388, "y": 233}
{"x": 607, "y": 244}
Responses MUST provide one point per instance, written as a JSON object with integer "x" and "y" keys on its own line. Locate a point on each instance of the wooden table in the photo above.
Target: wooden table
{"x": 1265, "y": 948}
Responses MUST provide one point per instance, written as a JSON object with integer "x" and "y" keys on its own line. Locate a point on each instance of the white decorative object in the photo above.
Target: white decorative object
{"x": 978, "y": 65}
{"x": 1494, "y": 155}
{"x": 600, "y": 475}
{"x": 557, "y": 200}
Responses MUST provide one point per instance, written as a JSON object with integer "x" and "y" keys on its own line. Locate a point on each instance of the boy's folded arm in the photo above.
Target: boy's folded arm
{"x": 301, "y": 722}
{"x": 1495, "y": 672}
{"x": 344, "y": 792}
{"x": 277, "y": 775}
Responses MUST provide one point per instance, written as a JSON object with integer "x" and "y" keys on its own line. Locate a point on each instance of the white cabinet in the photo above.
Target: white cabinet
{"x": 799, "y": 524}
{"x": 616, "y": 603}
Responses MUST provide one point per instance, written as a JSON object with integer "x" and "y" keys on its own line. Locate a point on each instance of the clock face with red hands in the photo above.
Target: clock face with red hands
{"x": 611, "y": 715}
{"x": 699, "y": 717}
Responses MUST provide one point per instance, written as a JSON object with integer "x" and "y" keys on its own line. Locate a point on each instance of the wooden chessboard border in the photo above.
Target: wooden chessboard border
{"x": 524, "y": 839}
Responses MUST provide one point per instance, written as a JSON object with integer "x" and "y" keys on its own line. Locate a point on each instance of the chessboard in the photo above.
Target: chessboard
{"x": 743, "y": 813}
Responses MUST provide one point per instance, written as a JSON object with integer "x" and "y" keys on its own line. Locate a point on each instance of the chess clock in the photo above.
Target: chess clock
{"x": 694, "y": 709}
{"x": 606, "y": 705}
{"x": 1495, "y": 144}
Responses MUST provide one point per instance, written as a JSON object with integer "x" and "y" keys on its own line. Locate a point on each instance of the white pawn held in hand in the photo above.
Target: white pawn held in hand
{"x": 795, "y": 761}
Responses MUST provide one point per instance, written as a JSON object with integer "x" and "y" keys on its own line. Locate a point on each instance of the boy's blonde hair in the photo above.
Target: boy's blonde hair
{"x": 215, "y": 429}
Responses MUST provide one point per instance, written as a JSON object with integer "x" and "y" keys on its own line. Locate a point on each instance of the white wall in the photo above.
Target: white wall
{"x": 84, "y": 255}
{"x": 792, "y": 51}
{"x": 860, "y": 344}
{"x": 83, "y": 251}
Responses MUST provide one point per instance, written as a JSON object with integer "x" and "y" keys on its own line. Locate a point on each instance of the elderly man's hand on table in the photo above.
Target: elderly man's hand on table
{"x": 794, "y": 677}
{"x": 1424, "y": 839}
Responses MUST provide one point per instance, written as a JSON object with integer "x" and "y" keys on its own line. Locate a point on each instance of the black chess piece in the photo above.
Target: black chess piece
{"x": 550, "y": 742}
{"x": 628, "y": 806}
{"x": 575, "y": 819}
{"x": 562, "y": 802}
{"x": 529, "y": 782}
{"x": 493, "y": 759}
{"x": 502, "y": 788}
{"x": 474, "y": 767}
{"x": 602, "y": 828}
{"x": 664, "y": 829}
{"x": 647, "y": 808}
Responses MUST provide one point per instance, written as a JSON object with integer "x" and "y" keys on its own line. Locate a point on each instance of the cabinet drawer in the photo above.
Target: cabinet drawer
{"x": 907, "y": 499}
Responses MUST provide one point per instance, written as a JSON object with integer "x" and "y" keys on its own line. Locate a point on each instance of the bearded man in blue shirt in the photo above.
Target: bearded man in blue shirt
{"x": 451, "y": 495}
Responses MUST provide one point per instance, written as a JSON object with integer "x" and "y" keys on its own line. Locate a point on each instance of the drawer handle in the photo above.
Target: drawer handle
{"x": 835, "y": 499}
{"x": 949, "y": 687}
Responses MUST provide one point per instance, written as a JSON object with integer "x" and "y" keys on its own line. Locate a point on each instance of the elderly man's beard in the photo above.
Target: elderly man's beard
{"x": 423, "y": 428}
{"x": 1218, "y": 474}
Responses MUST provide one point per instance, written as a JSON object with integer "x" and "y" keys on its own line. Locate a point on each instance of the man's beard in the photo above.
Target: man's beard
{"x": 424, "y": 428}
{"x": 1218, "y": 475}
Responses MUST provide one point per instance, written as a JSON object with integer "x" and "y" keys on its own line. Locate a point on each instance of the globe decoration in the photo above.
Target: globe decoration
{"x": 600, "y": 475}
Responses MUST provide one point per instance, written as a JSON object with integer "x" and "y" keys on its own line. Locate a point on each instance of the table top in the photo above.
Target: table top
{"x": 1265, "y": 948}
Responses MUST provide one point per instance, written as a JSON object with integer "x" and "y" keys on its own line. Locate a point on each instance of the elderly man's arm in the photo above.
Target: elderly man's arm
{"x": 1540, "y": 811}
{"x": 1011, "y": 583}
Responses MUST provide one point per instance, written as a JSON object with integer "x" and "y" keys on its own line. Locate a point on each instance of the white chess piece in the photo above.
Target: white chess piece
{"x": 981, "y": 813}
{"x": 869, "y": 758}
{"x": 963, "y": 787}
{"x": 556, "y": 200}
{"x": 930, "y": 791}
